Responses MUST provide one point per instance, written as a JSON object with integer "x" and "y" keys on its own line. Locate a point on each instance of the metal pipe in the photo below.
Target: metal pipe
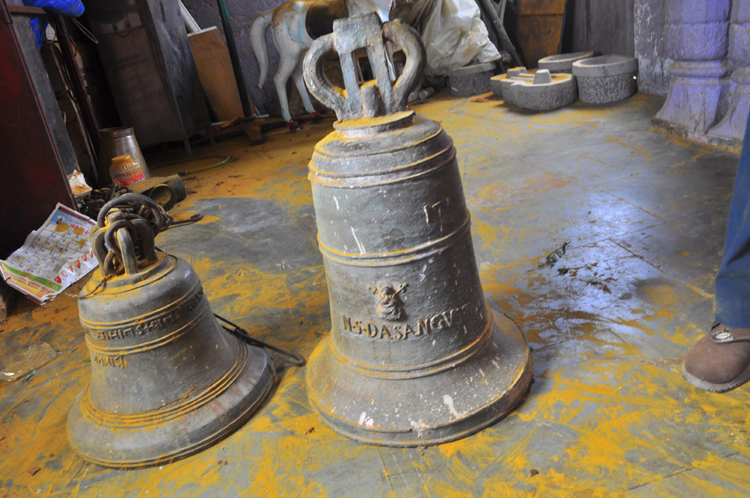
{"x": 247, "y": 107}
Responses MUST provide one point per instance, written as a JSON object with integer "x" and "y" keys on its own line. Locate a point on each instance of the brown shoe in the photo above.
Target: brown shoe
{"x": 720, "y": 360}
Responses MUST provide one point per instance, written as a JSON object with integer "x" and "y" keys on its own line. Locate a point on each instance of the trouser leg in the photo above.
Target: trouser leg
{"x": 732, "y": 296}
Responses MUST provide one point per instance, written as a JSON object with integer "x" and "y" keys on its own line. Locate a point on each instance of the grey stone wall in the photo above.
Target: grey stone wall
{"x": 626, "y": 27}
{"x": 650, "y": 46}
{"x": 602, "y": 25}
{"x": 242, "y": 13}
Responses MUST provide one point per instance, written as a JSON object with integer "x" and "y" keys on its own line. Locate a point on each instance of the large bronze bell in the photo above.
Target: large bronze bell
{"x": 415, "y": 356}
{"x": 167, "y": 381}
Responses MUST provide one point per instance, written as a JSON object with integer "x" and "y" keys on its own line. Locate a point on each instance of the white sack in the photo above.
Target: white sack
{"x": 453, "y": 33}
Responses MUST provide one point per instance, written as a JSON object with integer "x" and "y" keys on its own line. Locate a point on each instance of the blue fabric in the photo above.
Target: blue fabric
{"x": 71, "y": 8}
{"x": 732, "y": 297}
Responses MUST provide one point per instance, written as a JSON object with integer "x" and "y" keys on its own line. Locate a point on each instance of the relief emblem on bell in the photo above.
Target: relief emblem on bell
{"x": 390, "y": 306}
{"x": 399, "y": 369}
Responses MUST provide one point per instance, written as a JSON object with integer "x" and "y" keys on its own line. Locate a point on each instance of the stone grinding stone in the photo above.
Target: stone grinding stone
{"x": 496, "y": 85}
{"x": 560, "y": 92}
{"x": 606, "y": 79}
{"x": 538, "y": 92}
{"x": 563, "y": 63}
{"x": 501, "y": 83}
{"x": 471, "y": 80}
{"x": 607, "y": 89}
{"x": 542, "y": 77}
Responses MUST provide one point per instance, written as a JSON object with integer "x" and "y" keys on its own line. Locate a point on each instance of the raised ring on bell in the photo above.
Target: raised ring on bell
{"x": 421, "y": 251}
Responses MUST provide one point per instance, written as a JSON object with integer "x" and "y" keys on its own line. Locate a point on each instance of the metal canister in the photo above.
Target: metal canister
{"x": 117, "y": 142}
{"x": 125, "y": 171}
{"x": 415, "y": 355}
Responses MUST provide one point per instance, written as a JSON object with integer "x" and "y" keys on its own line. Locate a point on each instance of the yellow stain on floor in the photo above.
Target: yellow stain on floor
{"x": 609, "y": 413}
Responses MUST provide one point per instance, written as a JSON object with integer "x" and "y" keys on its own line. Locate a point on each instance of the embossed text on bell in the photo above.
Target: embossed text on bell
{"x": 167, "y": 381}
{"x": 415, "y": 356}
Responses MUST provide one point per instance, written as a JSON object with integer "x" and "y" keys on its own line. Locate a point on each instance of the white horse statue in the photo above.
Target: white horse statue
{"x": 294, "y": 25}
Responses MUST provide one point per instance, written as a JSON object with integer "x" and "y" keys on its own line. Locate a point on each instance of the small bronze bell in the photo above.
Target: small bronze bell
{"x": 415, "y": 356}
{"x": 167, "y": 381}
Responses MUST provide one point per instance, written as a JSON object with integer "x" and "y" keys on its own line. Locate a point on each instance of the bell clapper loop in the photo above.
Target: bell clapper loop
{"x": 296, "y": 360}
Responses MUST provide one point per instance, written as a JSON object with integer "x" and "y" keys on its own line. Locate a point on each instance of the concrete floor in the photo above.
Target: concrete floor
{"x": 609, "y": 413}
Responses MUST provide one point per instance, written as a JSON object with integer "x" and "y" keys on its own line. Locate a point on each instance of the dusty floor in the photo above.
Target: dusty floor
{"x": 609, "y": 413}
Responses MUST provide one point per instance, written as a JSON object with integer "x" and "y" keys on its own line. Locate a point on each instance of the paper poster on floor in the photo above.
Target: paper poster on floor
{"x": 53, "y": 257}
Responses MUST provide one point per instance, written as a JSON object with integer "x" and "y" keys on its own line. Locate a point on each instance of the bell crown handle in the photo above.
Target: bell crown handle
{"x": 373, "y": 98}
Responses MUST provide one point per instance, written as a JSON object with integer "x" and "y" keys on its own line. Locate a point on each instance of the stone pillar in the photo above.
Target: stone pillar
{"x": 731, "y": 129}
{"x": 696, "y": 39}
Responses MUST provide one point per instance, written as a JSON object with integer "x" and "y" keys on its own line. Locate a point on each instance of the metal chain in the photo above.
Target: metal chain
{"x": 97, "y": 198}
{"x": 95, "y": 201}
{"x": 141, "y": 217}
{"x": 138, "y": 205}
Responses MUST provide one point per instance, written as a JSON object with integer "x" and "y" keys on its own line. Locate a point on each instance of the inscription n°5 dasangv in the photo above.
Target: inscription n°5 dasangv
{"x": 432, "y": 324}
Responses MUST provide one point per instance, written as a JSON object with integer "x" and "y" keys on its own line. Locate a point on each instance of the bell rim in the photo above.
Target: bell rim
{"x": 492, "y": 411}
{"x": 266, "y": 381}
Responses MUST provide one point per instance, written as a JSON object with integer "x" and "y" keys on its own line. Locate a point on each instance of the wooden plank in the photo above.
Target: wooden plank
{"x": 33, "y": 179}
{"x": 215, "y": 72}
{"x": 24, "y": 10}
{"x": 540, "y": 28}
{"x": 541, "y": 7}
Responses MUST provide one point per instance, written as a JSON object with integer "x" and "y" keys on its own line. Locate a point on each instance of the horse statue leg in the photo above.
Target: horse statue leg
{"x": 286, "y": 68}
{"x": 292, "y": 41}
{"x": 299, "y": 82}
